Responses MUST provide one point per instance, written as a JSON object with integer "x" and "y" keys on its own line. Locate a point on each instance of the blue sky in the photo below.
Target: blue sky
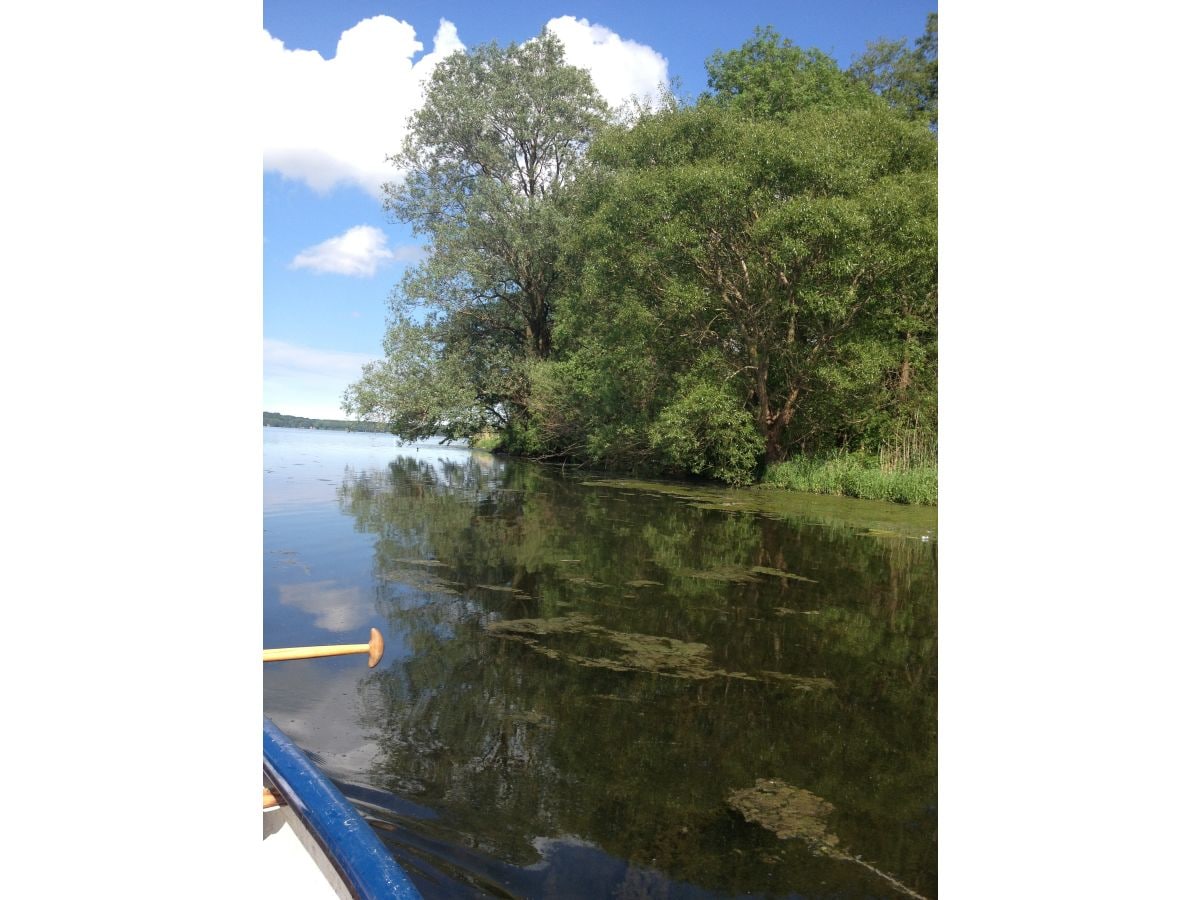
{"x": 340, "y": 80}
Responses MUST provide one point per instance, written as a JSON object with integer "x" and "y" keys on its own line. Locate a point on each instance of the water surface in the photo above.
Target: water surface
{"x": 603, "y": 687}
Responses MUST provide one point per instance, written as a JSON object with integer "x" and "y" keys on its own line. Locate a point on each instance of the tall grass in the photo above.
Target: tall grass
{"x": 901, "y": 473}
{"x": 485, "y": 440}
{"x": 909, "y": 449}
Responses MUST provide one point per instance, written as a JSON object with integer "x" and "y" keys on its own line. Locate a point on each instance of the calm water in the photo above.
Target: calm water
{"x": 596, "y": 687}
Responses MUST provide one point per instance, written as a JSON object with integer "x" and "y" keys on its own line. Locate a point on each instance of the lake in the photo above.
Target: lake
{"x": 597, "y": 686}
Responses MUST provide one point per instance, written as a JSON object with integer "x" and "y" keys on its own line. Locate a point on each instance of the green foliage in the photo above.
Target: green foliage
{"x": 798, "y": 258}
{"x": 596, "y": 403}
{"x": 856, "y": 475}
{"x": 906, "y": 78}
{"x": 279, "y": 420}
{"x": 706, "y": 430}
{"x": 501, "y": 132}
{"x": 419, "y": 389}
{"x": 486, "y": 440}
{"x": 688, "y": 290}
{"x": 770, "y": 77}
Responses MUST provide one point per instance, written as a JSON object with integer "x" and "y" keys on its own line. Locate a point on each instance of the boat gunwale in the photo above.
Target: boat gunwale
{"x": 369, "y": 871}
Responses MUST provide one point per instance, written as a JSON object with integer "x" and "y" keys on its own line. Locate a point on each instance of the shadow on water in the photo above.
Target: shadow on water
{"x": 600, "y": 679}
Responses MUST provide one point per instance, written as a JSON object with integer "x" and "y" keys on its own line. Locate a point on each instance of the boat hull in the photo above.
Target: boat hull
{"x": 315, "y": 838}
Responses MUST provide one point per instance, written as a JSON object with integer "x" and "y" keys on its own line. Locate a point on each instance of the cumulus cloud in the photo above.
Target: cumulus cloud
{"x": 359, "y": 251}
{"x": 331, "y": 122}
{"x": 334, "y": 607}
{"x": 334, "y": 121}
{"x": 620, "y": 68}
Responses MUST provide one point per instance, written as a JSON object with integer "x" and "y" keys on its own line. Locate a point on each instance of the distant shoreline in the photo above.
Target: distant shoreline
{"x": 279, "y": 420}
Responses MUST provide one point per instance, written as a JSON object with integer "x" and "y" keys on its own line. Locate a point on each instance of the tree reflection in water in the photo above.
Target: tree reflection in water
{"x": 812, "y": 662}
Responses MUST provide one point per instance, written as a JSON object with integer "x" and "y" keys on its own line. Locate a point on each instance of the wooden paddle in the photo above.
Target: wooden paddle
{"x": 373, "y": 648}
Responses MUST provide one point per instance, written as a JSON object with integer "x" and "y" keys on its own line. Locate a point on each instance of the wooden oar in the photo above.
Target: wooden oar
{"x": 373, "y": 648}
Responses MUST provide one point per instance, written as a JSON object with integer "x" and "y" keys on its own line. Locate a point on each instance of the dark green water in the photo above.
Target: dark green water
{"x": 606, "y": 688}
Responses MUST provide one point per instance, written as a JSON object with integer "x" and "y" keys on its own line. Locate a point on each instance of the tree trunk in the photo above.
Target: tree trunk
{"x": 537, "y": 326}
{"x": 905, "y": 368}
{"x": 774, "y": 448}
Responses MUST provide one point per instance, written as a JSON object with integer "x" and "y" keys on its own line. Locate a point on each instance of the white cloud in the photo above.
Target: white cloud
{"x": 334, "y": 607}
{"x": 329, "y": 122}
{"x": 334, "y": 121}
{"x": 306, "y": 381}
{"x": 409, "y": 253}
{"x": 359, "y": 251}
{"x": 620, "y": 68}
{"x": 314, "y": 702}
{"x": 294, "y": 360}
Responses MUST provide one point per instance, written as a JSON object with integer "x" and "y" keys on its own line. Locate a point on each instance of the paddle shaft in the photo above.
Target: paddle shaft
{"x": 373, "y": 649}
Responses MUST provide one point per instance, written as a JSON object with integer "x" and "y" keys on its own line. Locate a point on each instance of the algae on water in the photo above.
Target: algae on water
{"x": 648, "y": 653}
{"x": 814, "y": 509}
{"x": 792, "y": 812}
{"x": 788, "y": 811}
{"x": 727, "y": 574}
{"x": 633, "y": 652}
{"x": 765, "y": 570}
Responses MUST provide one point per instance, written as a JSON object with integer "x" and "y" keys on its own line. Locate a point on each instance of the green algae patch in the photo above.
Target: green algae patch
{"x": 422, "y": 577}
{"x": 728, "y": 575}
{"x": 905, "y": 520}
{"x": 585, "y": 581}
{"x": 779, "y": 573}
{"x": 630, "y": 651}
{"x": 721, "y": 505}
{"x": 540, "y": 627}
{"x": 575, "y": 638}
{"x": 662, "y": 655}
{"x": 799, "y": 682}
{"x": 789, "y": 812}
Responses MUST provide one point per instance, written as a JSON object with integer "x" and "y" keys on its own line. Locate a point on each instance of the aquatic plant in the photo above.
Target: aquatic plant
{"x": 635, "y": 652}
{"x": 791, "y": 812}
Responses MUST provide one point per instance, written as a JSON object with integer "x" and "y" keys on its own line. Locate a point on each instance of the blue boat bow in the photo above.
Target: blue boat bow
{"x": 368, "y": 871}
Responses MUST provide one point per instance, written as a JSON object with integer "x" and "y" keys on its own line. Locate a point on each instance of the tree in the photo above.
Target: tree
{"x": 906, "y": 78}
{"x": 501, "y": 132}
{"x": 764, "y": 263}
{"x": 769, "y": 77}
{"x": 419, "y": 389}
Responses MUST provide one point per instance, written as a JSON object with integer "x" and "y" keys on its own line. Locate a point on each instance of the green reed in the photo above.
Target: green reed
{"x": 901, "y": 473}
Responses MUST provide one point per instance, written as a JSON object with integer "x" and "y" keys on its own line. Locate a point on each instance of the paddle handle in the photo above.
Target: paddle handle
{"x": 373, "y": 648}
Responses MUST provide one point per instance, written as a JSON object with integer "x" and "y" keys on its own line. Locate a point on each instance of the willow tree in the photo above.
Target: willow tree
{"x": 752, "y": 275}
{"x": 769, "y": 77}
{"x": 500, "y": 134}
{"x": 906, "y": 77}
